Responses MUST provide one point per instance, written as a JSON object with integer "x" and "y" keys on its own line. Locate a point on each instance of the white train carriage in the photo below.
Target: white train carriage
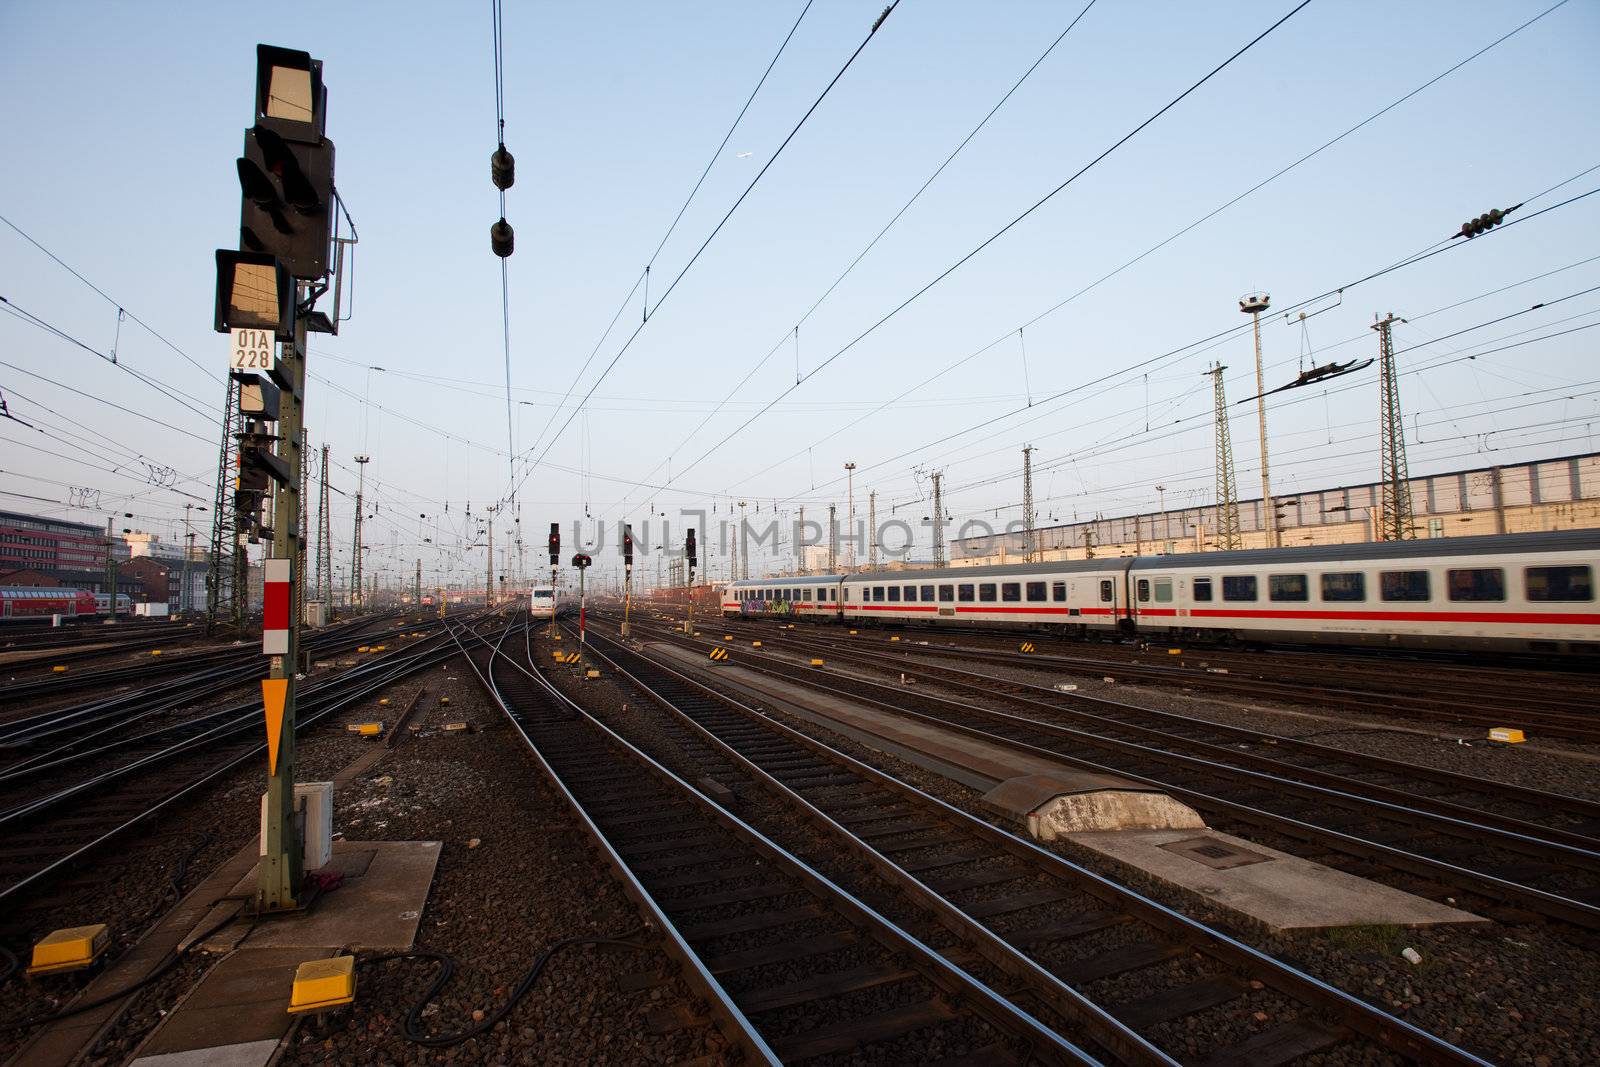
{"x": 810, "y": 597}
{"x": 541, "y": 601}
{"x": 1082, "y": 596}
{"x": 1524, "y": 592}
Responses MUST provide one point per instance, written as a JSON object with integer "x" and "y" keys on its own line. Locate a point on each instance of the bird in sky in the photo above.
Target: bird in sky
{"x": 746, "y": 155}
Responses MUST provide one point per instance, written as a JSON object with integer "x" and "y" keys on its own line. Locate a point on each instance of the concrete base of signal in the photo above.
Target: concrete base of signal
{"x": 1131, "y": 826}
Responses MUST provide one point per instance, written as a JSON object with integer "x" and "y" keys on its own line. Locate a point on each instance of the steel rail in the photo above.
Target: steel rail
{"x": 1000, "y": 1013}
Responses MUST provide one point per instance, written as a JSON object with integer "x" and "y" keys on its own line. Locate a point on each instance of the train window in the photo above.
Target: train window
{"x": 1344, "y": 586}
{"x": 1144, "y": 590}
{"x": 894, "y": 593}
{"x": 986, "y": 592}
{"x": 927, "y": 594}
{"x": 1238, "y": 587}
{"x": 1202, "y": 589}
{"x": 877, "y": 592}
{"x": 1288, "y": 587}
{"x": 833, "y": 594}
{"x": 805, "y": 594}
{"x": 1403, "y": 585}
{"x": 947, "y": 593}
{"x": 1036, "y": 591}
{"x": 1477, "y": 583}
{"x": 1011, "y": 591}
{"x": 1559, "y": 583}
{"x": 966, "y": 594}
{"x": 1058, "y": 592}
{"x": 911, "y": 594}
{"x": 1106, "y": 593}
{"x": 1163, "y": 590}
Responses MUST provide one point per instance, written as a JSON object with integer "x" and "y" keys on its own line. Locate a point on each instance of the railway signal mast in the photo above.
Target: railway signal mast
{"x": 1397, "y": 521}
{"x": 691, "y": 557}
{"x": 555, "y": 563}
{"x": 627, "y": 575}
{"x": 266, "y": 293}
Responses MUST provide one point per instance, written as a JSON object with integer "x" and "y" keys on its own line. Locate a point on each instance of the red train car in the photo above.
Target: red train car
{"x": 20, "y": 603}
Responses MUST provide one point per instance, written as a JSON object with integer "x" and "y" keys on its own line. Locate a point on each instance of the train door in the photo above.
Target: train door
{"x": 1154, "y": 598}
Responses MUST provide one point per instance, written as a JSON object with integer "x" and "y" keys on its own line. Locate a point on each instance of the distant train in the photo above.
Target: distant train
{"x": 541, "y": 601}
{"x": 22, "y": 603}
{"x": 1522, "y": 592}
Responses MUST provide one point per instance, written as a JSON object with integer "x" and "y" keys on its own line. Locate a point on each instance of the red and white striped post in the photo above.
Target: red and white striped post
{"x": 277, "y": 577}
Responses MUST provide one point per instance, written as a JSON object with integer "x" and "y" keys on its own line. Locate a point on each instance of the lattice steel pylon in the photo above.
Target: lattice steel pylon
{"x": 324, "y": 581}
{"x": 938, "y": 520}
{"x": 356, "y": 594}
{"x": 1227, "y": 490}
{"x": 225, "y": 593}
{"x": 833, "y": 539}
{"x": 1030, "y": 543}
{"x": 1397, "y": 519}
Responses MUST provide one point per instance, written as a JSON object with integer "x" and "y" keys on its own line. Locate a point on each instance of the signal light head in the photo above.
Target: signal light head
{"x": 254, "y": 291}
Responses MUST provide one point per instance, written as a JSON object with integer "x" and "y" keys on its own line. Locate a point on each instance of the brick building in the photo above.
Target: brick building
{"x": 41, "y": 544}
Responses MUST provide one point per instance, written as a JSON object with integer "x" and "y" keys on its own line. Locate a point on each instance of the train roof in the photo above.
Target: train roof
{"x": 52, "y": 590}
{"x": 998, "y": 570}
{"x": 1486, "y": 545}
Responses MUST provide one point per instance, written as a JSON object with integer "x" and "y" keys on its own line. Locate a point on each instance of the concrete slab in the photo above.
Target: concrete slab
{"x": 1055, "y": 804}
{"x": 240, "y": 1004}
{"x": 1262, "y": 885}
{"x": 247, "y": 1054}
{"x": 377, "y": 909}
{"x": 977, "y": 764}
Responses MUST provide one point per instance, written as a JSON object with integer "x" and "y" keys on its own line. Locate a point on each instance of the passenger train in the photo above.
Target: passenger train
{"x": 1520, "y": 592}
{"x": 541, "y": 601}
{"x": 23, "y": 603}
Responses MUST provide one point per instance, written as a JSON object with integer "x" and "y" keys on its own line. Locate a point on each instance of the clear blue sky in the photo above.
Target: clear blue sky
{"x": 123, "y": 122}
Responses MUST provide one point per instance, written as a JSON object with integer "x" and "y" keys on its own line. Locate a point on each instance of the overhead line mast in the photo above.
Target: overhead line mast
{"x": 1397, "y": 520}
{"x": 1227, "y": 491}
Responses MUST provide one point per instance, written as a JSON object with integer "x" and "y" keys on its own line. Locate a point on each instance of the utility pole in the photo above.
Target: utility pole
{"x": 850, "y": 511}
{"x": 186, "y": 601}
{"x": 324, "y": 540}
{"x": 357, "y": 597}
{"x": 416, "y": 597}
{"x": 744, "y": 545}
{"x": 799, "y": 545}
{"x": 1227, "y": 492}
{"x": 1398, "y": 522}
{"x": 1030, "y": 547}
{"x": 833, "y": 539}
{"x": 872, "y": 530}
{"x": 938, "y": 520}
{"x": 1253, "y": 305}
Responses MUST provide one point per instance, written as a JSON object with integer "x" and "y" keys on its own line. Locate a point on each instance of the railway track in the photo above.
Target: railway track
{"x": 794, "y": 967}
{"x": 1562, "y": 705}
{"x": 44, "y": 833}
{"x": 1162, "y": 977}
{"x": 1509, "y": 868}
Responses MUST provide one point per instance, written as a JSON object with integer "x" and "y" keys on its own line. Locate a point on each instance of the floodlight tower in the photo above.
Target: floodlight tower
{"x": 850, "y": 510}
{"x": 1253, "y": 305}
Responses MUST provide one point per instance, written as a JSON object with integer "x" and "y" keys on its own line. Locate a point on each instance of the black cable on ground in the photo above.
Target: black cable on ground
{"x": 447, "y": 969}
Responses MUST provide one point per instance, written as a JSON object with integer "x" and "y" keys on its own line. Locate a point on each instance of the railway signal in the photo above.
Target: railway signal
{"x": 555, "y": 562}
{"x": 691, "y": 554}
{"x": 627, "y": 575}
{"x": 286, "y": 172}
{"x": 581, "y": 561}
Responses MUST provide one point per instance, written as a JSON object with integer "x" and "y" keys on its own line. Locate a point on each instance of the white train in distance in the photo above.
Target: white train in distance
{"x": 541, "y": 601}
{"x": 1520, "y": 592}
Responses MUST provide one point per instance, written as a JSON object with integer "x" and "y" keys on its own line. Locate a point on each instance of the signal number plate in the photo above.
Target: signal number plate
{"x": 252, "y": 350}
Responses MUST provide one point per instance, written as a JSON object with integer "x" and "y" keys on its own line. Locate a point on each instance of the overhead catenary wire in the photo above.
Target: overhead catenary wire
{"x": 643, "y": 278}
{"x": 948, "y": 271}
{"x": 1281, "y": 172}
{"x": 871, "y": 33}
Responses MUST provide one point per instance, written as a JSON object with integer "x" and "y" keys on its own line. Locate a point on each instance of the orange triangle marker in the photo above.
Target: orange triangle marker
{"x": 274, "y": 691}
